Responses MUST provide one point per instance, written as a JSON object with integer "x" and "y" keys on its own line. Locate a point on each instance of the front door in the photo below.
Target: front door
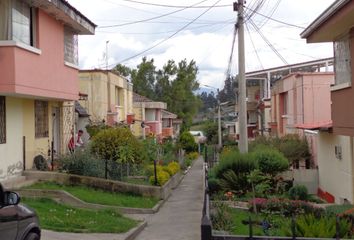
{"x": 56, "y": 130}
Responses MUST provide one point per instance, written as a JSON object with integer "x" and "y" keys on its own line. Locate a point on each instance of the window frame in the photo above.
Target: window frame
{"x": 32, "y": 24}
{"x": 41, "y": 119}
{"x": 340, "y": 46}
{"x": 71, "y": 50}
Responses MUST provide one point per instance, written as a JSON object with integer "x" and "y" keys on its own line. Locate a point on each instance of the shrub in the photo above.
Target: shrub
{"x": 211, "y": 132}
{"x": 285, "y": 207}
{"x": 162, "y": 178}
{"x": 82, "y": 162}
{"x": 94, "y": 129}
{"x": 117, "y": 144}
{"x": 149, "y": 170}
{"x": 213, "y": 185}
{"x": 270, "y": 161}
{"x": 187, "y": 142}
{"x": 232, "y": 171}
{"x": 221, "y": 217}
{"x": 294, "y": 148}
{"x": 173, "y": 168}
{"x": 192, "y": 155}
{"x": 188, "y": 162}
{"x": 298, "y": 192}
{"x": 324, "y": 227}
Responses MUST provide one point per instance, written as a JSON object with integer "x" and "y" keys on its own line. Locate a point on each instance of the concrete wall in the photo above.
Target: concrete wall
{"x": 11, "y": 161}
{"x": 306, "y": 177}
{"x": 336, "y": 175}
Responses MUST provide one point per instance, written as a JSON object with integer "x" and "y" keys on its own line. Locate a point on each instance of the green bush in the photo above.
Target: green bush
{"x": 298, "y": 192}
{"x": 117, "y": 144}
{"x": 233, "y": 160}
{"x": 324, "y": 227}
{"x": 149, "y": 169}
{"x": 213, "y": 185}
{"x": 233, "y": 169}
{"x": 192, "y": 155}
{"x": 211, "y": 132}
{"x": 82, "y": 162}
{"x": 174, "y": 168}
{"x": 93, "y": 129}
{"x": 270, "y": 161}
{"x": 162, "y": 178}
{"x": 221, "y": 217}
{"x": 187, "y": 142}
{"x": 149, "y": 150}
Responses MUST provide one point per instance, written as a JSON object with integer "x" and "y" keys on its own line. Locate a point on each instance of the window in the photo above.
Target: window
{"x": 70, "y": 46}
{"x": 41, "y": 119}
{"x": 17, "y": 20}
{"x": 2, "y": 120}
{"x": 342, "y": 61}
{"x": 117, "y": 100}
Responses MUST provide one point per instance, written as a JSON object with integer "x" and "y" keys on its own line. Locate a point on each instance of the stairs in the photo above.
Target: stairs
{"x": 17, "y": 182}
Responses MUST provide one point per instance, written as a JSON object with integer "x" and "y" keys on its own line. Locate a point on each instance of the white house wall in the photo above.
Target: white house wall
{"x": 335, "y": 175}
{"x": 11, "y": 162}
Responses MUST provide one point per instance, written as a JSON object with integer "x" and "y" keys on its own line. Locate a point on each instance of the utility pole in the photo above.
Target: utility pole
{"x": 242, "y": 115}
{"x": 219, "y": 122}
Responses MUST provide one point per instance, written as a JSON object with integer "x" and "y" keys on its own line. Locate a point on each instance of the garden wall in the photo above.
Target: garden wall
{"x": 108, "y": 185}
{"x": 307, "y": 177}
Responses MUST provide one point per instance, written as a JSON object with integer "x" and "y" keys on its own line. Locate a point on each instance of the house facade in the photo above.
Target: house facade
{"x": 336, "y": 145}
{"x": 109, "y": 96}
{"x": 148, "y": 116}
{"x": 300, "y": 99}
{"x": 38, "y": 82}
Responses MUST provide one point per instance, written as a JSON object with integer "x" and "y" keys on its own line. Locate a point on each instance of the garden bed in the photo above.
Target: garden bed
{"x": 63, "y": 218}
{"x": 108, "y": 185}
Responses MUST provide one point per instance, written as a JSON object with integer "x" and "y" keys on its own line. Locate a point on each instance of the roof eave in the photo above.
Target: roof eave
{"x": 64, "y": 12}
{"x": 330, "y": 11}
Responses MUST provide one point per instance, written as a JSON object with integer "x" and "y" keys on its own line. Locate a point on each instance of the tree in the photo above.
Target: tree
{"x": 122, "y": 70}
{"x": 144, "y": 78}
{"x": 228, "y": 92}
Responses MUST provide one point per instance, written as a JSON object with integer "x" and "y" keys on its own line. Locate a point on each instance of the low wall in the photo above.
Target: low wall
{"x": 108, "y": 185}
{"x": 306, "y": 177}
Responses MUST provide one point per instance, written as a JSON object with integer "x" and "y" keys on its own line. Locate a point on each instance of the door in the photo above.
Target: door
{"x": 56, "y": 130}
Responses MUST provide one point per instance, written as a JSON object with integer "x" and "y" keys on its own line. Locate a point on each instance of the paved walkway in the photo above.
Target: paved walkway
{"x": 179, "y": 218}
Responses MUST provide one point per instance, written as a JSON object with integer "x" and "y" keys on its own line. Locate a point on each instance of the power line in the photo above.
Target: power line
{"x": 169, "y": 37}
{"x": 267, "y": 42}
{"x": 225, "y": 23}
{"x": 254, "y": 47}
{"x": 153, "y": 18}
{"x": 228, "y": 71}
{"x": 174, "y": 6}
{"x": 271, "y": 13}
{"x": 275, "y": 20}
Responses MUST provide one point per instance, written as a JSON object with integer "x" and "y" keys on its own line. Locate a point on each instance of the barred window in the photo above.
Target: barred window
{"x": 2, "y": 120}
{"x": 342, "y": 61}
{"x": 70, "y": 46}
{"x": 41, "y": 119}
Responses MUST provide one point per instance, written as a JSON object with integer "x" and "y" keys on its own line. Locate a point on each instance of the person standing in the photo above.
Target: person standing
{"x": 76, "y": 141}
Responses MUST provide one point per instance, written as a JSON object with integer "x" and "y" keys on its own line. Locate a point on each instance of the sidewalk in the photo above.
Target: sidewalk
{"x": 179, "y": 218}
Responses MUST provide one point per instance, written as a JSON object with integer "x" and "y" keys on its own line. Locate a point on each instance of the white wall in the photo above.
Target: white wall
{"x": 335, "y": 175}
{"x": 11, "y": 162}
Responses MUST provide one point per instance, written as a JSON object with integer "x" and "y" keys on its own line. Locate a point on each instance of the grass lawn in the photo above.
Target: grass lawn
{"x": 240, "y": 228}
{"x": 91, "y": 195}
{"x": 62, "y": 218}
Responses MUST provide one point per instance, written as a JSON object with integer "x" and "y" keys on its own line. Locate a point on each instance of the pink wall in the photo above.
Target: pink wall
{"x": 44, "y": 75}
{"x": 309, "y": 98}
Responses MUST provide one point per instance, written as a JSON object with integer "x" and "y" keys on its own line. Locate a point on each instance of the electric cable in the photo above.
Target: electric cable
{"x": 173, "y": 6}
{"x": 152, "y": 18}
{"x": 169, "y": 37}
{"x": 254, "y": 47}
{"x": 275, "y": 20}
{"x": 268, "y": 42}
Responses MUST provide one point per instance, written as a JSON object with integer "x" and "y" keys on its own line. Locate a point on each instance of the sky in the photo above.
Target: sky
{"x": 202, "y": 34}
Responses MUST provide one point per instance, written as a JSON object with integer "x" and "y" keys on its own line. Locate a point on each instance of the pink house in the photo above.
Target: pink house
{"x": 38, "y": 79}
{"x": 301, "y": 101}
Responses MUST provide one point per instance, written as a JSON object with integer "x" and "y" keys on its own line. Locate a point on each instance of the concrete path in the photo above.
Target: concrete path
{"x": 179, "y": 218}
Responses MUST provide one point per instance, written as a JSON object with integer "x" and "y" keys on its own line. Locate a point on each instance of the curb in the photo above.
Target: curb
{"x": 133, "y": 233}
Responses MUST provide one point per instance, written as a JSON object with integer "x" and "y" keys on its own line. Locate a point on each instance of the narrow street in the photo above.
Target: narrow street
{"x": 179, "y": 218}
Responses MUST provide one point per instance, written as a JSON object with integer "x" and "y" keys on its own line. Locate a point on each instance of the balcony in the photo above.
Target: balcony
{"x": 32, "y": 72}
